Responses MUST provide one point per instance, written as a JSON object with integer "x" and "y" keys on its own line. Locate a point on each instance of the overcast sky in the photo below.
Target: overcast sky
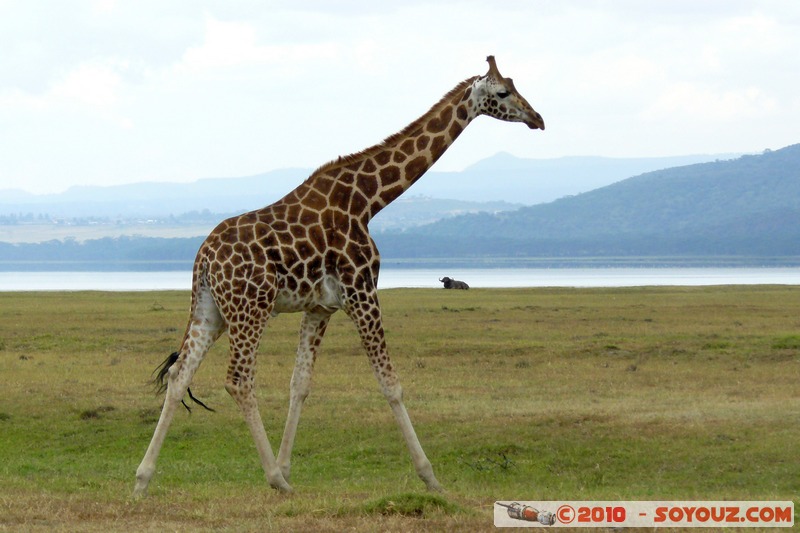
{"x": 105, "y": 92}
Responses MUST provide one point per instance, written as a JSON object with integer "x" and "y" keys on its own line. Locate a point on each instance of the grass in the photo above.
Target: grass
{"x": 524, "y": 394}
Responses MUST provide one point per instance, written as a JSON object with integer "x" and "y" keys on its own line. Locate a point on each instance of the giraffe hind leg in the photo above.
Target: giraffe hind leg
{"x": 179, "y": 374}
{"x": 177, "y": 371}
{"x": 311, "y": 333}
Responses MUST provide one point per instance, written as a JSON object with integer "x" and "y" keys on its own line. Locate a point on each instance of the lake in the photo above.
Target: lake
{"x": 428, "y": 278}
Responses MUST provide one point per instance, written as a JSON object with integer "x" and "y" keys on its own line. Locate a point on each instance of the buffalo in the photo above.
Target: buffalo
{"x": 450, "y": 283}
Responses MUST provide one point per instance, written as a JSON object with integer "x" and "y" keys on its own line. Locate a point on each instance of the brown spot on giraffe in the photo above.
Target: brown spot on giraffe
{"x": 311, "y": 252}
{"x": 440, "y": 122}
{"x": 408, "y": 147}
{"x": 382, "y": 157}
{"x": 367, "y": 184}
{"x": 438, "y": 146}
{"x": 416, "y": 168}
{"x": 389, "y": 175}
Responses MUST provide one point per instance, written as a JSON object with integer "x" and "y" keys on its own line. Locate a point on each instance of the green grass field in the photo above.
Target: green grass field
{"x": 523, "y": 394}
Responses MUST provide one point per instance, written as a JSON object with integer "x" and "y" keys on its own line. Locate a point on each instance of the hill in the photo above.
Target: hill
{"x": 153, "y": 209}
{"x": 501, "y": 178}
{"x": 535, "y": 181}
{"x": 745, "y": 206}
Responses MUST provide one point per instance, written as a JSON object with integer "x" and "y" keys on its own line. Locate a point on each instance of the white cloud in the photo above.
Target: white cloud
{"x": 617, "y": 70}
{"x": 89, "y": 84}
{"x": 698, "y": 103}
{"x": 88, "y": 92}
{"x": 17, "y": 99}
{"x": 236, "y": 43}
{"x": 753, "y": 32}
{"x": 187, "y": 89}
{"x": 104, "y": 6}
{"x": 93, "y": 85}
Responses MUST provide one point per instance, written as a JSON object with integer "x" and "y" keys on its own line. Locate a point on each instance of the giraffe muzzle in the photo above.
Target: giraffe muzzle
{"x": 535, "y": 122}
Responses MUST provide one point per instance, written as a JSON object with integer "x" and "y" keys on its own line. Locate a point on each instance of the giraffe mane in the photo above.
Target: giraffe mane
{"x": 392, "y": 139}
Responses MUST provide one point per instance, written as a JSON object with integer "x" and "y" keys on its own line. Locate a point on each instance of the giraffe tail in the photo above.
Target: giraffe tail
{"x": 160, "y": 381}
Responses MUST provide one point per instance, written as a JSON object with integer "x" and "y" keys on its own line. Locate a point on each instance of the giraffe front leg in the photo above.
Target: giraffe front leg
{"x": 367, "y": 317}
{"x": 240, "y": 385}
{"x": 312, "y": 330}
{"x": 242, "y": 391}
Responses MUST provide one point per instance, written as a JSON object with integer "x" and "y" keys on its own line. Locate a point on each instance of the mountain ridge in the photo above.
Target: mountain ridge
{"x": 754, "y": 199}
{"x": 502, "y": 177}
{"x": 748, "y": 207}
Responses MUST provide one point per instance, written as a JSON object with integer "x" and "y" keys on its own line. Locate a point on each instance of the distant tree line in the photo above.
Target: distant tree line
{"x": 204, "y": 216}
{"x": 107, "y": 251}
{"x": 149, "y": 253}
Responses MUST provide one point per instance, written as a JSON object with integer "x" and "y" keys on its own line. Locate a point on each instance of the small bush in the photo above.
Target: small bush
{"x": 790, "y": 342}
{"x": 91, "y": 414}
{"x": 411, "y": 504}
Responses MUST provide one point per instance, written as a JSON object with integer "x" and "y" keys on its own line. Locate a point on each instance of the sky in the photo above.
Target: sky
{"x": 105, "y": 92}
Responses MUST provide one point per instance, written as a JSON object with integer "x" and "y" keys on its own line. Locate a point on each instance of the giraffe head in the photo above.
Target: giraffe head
{"x": 497, "y": 97}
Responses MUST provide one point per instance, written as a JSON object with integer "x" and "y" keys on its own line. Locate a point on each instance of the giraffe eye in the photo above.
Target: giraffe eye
{"x": 502, "y": 93}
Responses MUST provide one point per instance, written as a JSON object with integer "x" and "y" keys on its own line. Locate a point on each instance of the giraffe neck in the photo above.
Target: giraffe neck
{"x": 366, "y": 182}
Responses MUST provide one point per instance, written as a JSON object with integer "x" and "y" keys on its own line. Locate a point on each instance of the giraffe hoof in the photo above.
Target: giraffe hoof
{"x": 140, "y": 489}
{"x": 435, "y": 487}
{"x": 281, "y": 485}
{"x": 284, "y": 488}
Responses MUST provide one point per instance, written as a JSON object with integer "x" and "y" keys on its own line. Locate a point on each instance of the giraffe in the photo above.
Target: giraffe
{"x": 311, "y": 252}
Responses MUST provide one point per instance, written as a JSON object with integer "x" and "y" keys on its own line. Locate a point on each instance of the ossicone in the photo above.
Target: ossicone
{"x": 493, "y": 68}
